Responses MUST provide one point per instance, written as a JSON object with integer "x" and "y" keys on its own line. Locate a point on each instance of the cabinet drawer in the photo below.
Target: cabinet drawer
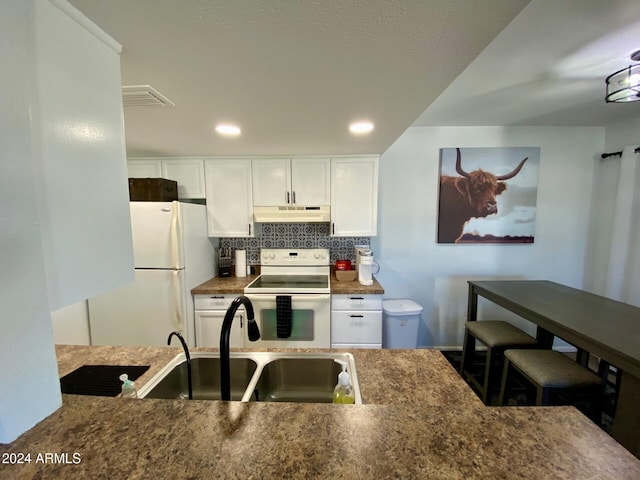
{"x": 356, "y": 302}
{"x": 212, "y": 302}
{"x": 356, "y": 327}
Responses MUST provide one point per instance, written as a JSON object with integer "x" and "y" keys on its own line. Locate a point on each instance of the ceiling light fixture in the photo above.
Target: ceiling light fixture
{"x": 360, "y": 128}
{"x": 624, "y": 85}
{"x": 228, "y": 129}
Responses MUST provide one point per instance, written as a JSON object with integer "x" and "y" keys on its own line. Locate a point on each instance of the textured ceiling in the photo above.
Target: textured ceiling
{"x": 547, "y": 67}
{"x": 292, "y": 73}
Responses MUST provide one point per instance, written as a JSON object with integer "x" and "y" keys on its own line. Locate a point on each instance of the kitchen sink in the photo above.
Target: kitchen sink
{"x": 205, "y": 377}
{"x": 302, "y": 377}
{"x": 306, "y": 380}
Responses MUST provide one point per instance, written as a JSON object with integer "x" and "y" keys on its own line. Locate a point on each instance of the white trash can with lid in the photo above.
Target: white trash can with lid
{"x": 400, "y": 322}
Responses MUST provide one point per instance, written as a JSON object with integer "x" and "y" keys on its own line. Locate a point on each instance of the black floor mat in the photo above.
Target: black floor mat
{"x": 100, "y": 380}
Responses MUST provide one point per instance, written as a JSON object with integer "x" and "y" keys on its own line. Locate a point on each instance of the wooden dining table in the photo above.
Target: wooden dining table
{"x": 598, "y": 325}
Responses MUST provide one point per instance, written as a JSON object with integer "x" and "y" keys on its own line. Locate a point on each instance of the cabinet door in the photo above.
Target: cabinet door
{"x": 310, "y": 181}
{"x": 271, "y": 182}
{"x": 144, "y": 168}
{"x": 229, "y": 203}
{"x": 354, "y": 196}
{"x": 356, "y": 327}
{"x": 189, "y": 173}
{"x": 209, "y": 326}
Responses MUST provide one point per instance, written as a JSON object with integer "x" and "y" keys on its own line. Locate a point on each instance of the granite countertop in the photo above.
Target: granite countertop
{"x": 349, "y": 288}
{"x": 235, "y": 285}
{"x": 424, "y": 423}
{"x": 231, "y": 285}
{"x": 405, "y": 370}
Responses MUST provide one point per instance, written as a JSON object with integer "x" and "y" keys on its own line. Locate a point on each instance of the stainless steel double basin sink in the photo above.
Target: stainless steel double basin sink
{"x": 303, "y": 377}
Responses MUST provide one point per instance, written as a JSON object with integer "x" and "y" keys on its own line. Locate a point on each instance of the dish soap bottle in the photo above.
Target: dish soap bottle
{"x": 128, "y": 387}
{"x": 343, "y": 393}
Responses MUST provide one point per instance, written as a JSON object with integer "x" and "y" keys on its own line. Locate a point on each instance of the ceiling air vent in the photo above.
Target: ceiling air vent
{"x": 143, "y": 96}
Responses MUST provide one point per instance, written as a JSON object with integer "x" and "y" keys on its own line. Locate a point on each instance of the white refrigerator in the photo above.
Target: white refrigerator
{"x": 172, "y": 254}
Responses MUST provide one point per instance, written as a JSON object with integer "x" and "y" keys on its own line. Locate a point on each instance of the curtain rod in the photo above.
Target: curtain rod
{"x": 618, "y": 154}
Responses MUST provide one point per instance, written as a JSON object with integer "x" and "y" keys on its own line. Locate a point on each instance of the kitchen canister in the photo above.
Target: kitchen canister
{"x": 241, "y": 263}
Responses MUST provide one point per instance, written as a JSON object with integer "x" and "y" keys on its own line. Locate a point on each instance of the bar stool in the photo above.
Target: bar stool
{"x": 497, "y": 336}
{"x": 552, "y": 373}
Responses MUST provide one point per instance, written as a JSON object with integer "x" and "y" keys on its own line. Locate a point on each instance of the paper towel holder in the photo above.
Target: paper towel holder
{"x": 241, "y": 263}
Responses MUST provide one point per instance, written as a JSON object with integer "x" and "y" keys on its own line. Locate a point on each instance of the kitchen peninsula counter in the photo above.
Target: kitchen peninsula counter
{"x": 406, "y": 430}
{"x": 424, "y": 373}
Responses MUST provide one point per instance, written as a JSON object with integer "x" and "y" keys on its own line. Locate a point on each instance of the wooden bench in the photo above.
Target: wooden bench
{"x": 497, "y": 336}
{"x": 551, "y": 373}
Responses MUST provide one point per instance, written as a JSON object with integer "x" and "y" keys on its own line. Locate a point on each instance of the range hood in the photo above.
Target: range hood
{"x": 317, "y": 214}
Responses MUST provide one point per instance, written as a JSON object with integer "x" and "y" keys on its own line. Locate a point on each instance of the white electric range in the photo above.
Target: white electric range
{"x": 294, "y": 284}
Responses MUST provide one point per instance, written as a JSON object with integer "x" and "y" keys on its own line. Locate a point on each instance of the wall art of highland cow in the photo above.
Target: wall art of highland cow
{"x": 488, "y": 195}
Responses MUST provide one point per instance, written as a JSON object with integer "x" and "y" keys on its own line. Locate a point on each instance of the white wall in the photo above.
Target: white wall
{"x": 84, "y": 197}
{"x": 622, "y": 134}
{"x": 29, "y": 375}
{"x": 414, "y": 266}
{"x": 71, "y": 324}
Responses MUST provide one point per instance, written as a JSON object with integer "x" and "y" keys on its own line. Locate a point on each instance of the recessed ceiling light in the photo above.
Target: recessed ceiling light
{"x": 228, "y": 129}
{"x": 360, "y": 128}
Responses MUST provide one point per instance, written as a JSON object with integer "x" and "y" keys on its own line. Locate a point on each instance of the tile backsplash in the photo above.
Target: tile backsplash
{"x": 295, "y": 235}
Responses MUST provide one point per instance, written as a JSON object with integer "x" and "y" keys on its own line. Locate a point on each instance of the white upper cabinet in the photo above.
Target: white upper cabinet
{"x": 233, "y": 186}
{"x": 188, "y": 172}
{"x": 310, "y": 179}
{"x": 354, "y": 196}
{"x": 229, "y": 198}
{"x": 271, "y": 181}
{"x": 301, "y": 181}
{"x": 144, "y": 168}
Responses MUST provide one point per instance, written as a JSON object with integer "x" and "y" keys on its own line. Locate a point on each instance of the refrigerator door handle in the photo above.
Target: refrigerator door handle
{"x": 175, "y": 235}
{"x": 177, "y": 300}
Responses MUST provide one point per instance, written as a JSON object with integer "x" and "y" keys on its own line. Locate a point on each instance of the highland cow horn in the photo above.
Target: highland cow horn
{"x": 459, "y": 165}
{"x": 514, "y": 173}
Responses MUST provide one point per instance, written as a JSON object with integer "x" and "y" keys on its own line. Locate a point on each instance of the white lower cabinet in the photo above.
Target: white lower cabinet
{"x": 210, "y": 311}
{"x": 356, "y": 321}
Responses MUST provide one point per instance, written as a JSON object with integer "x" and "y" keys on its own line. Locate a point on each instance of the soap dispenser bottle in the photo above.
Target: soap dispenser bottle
{"x": 343, "y": 393}
{"x": 128, "y": 387}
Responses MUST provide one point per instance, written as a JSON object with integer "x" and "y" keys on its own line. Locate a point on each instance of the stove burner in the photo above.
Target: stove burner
{"x": 287, "y": 282}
